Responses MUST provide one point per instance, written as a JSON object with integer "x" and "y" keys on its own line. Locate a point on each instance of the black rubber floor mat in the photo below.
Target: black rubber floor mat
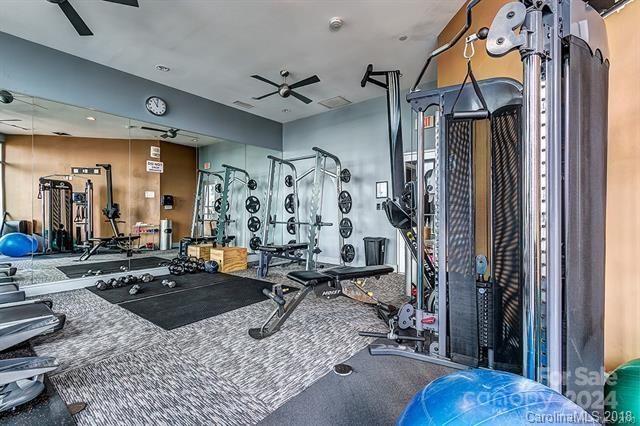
{"x": 155, "y": 288}
{"x": 82, "y": 268}
{"x": 195, "y": 297}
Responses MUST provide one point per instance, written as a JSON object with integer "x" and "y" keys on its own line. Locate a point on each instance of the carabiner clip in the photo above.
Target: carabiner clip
{"x": 469, "y": 50}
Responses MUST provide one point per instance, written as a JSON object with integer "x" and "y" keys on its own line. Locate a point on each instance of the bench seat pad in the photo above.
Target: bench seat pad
{"x": 343, "y": 273}
{"x": 283, "y": 248}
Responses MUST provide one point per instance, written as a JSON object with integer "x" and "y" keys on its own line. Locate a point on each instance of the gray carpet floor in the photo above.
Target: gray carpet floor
{"x": 130, "y": 371}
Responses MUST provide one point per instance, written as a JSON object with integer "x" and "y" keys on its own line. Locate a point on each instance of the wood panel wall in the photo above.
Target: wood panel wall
{"x": 452, "y": 66}
{"x": 28, "y": 158}
{"x": 179, "y": 180}
{"x": 622, "y": 298}
{"x": 622, "y": 285}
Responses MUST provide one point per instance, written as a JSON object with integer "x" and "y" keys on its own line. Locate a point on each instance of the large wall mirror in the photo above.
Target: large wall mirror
{"x": 89, "y": 196}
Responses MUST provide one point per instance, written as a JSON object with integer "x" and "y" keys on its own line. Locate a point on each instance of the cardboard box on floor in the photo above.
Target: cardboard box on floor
{"x": 230, "y": 259}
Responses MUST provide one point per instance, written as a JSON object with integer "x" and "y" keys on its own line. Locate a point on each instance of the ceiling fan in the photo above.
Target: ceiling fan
{"x": 75, "y": 19}
{"x": 171, "y": 133}
{"x": 7, "y": 97}
{"x": 5, "y": 122}
{"x": 285, "y": 90}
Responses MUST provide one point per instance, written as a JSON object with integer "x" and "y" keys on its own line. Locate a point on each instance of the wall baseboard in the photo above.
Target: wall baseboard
{"x": 78, "y": 283}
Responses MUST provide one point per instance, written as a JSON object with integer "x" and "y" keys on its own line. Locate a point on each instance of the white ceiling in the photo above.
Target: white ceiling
{"x": 41, "y": 117}
{"x": 213, "y": 46}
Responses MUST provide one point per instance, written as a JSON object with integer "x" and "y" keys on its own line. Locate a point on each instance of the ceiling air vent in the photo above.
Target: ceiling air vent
{"x": 61, "y": 133}
{"x": 336, "y": 102}
{"x": 243, "y": 104}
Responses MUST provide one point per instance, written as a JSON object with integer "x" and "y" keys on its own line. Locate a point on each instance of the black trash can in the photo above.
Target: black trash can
{"x": 374, "y": 250}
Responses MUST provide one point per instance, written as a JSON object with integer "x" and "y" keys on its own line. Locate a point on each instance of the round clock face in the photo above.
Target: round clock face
{"x": 156, "y": 106}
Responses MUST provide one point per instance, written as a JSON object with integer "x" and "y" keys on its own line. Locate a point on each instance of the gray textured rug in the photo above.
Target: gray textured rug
{"x": 208, "y": 372}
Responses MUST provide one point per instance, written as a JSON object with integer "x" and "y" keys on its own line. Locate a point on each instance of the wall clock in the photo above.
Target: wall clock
{"x": 156, "y": 106}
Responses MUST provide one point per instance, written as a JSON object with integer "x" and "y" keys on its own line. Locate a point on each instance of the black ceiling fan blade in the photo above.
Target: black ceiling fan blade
{"x": 300, "y": 97}
{"x": 153, "y": 129}
{"x": 257, "y": 77}
{"x": 307, "y": 81}
{"x": 75, "y": 19}
{"x": 13, "y": 125}
{"x": 133, "y": 3}
{"x": 264, "y": 96}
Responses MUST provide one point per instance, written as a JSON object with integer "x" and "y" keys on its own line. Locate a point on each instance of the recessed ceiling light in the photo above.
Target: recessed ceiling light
{"x": 163, "y": 68}
{"x": 335, "y": 23}
{"x": 194, "y": 140}
{"x": 403, "y": 38}
{"x": 90, "y": 118}
{"x": 285, "y": 110}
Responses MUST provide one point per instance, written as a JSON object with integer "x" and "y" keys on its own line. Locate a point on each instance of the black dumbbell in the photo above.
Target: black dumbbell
{"x": 168, "y": 283}
{"x": 113, "y": 283}
{"x": 135, "y": 289}
{"x": 101, "y": 285}
{"x": 146, "y": 278}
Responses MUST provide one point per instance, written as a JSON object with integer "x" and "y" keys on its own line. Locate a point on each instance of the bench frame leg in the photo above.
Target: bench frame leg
{"x": 280, "y": 314}
{"x": 91, "y": 251}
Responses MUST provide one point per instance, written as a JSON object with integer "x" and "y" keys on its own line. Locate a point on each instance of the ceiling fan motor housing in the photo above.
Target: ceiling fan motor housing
{"x": 284, "y": 91}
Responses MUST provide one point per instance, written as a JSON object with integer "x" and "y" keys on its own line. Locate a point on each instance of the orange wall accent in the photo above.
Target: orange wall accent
{"x": 452, "y": 66}
{"x": 622, "y": 311}
{"x": 28, "y": 158}
{"x": 179, "y": 180}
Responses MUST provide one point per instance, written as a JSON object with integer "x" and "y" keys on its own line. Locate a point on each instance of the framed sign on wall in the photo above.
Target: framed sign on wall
{"x": 382, "y": 189}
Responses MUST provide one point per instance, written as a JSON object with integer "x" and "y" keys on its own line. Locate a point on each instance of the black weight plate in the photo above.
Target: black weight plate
{"x": 345, "y": 175}
{"x": 288, "y": 181}
{"x": 218, "y": 204}
{"x": 289, "y": 204}
{"x": 291, "y": 226}
{"x": 254, "y": 243}
{"x": 346, "y": 227}
{"x": 254, "y": 224}
{"x": 218, "y": 188}
{"x": 292, "y": 252}
{"x": 252, "y": 204}
{"x": 344, "y": 202}
{"x": 252, "y": 184}
{"x": 348, "y": 253}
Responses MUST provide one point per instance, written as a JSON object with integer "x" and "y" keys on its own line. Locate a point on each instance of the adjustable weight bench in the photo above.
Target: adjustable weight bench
{"x": 288, "y": 252}
{"x": 325, "y": 284}
{"x": 96, "y": 243}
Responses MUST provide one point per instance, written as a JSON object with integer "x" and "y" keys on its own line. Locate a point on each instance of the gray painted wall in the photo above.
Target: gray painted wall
{"x": 36, "y": 70}
{"x": 358, "y": 135}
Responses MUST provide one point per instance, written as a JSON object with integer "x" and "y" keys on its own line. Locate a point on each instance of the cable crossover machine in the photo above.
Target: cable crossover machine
{"x": 537, "y": 292}
{"x": 296, "y": 250}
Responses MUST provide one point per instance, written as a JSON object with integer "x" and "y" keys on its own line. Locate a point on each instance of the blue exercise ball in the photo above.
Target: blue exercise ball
{"x": 17, "y": 244}
{"x": 489, "y": 397}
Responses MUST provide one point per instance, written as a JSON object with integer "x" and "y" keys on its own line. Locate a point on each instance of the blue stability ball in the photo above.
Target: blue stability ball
{"x": 489, "y": 397}
{"x": 17, "y": 244}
